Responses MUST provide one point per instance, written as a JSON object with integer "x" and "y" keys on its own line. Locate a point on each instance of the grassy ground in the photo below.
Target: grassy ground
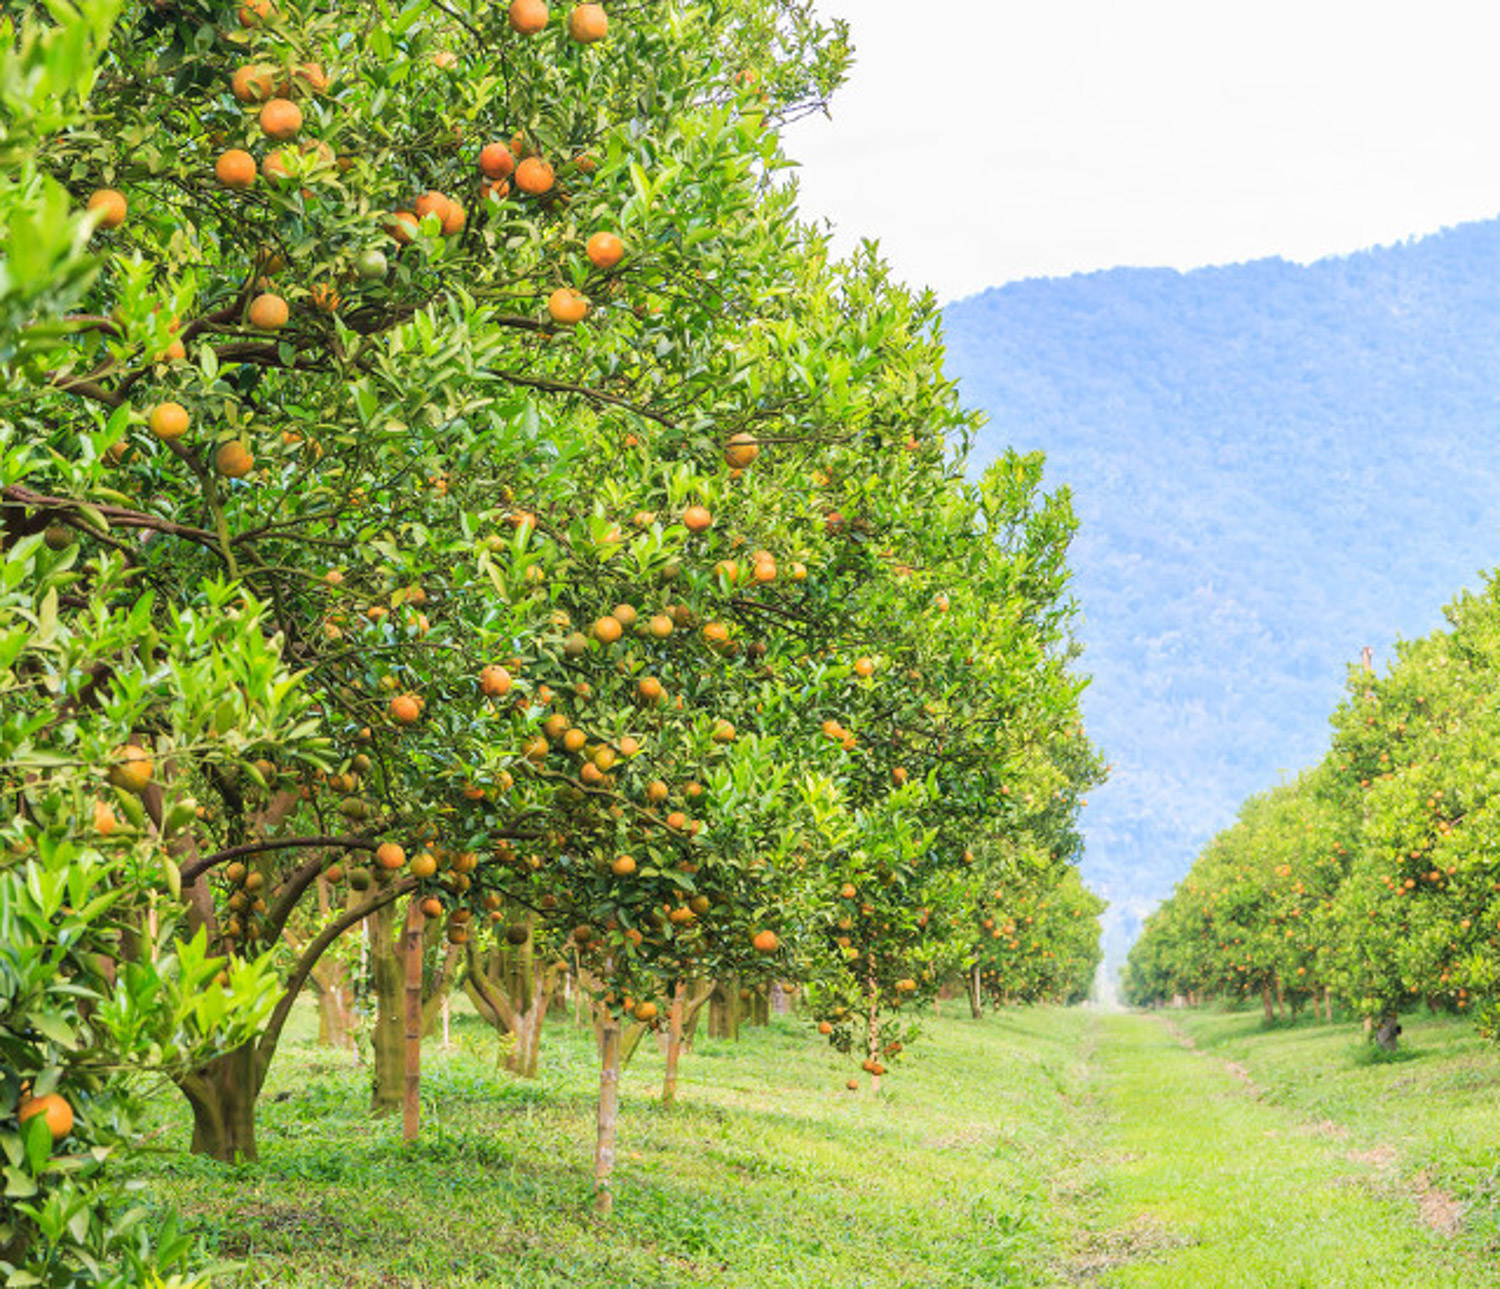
{"x": 769, "y": 1173}
{"x": 1035, "y": 1148}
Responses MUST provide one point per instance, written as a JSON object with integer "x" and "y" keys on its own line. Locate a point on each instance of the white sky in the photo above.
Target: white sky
{"x": 982, "y": 142}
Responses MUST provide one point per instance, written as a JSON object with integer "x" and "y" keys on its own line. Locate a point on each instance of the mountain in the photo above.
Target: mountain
{"x": 1273, "y": 465}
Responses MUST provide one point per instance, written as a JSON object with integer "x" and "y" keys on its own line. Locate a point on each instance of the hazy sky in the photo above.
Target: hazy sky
{"x": 982, "y": 142}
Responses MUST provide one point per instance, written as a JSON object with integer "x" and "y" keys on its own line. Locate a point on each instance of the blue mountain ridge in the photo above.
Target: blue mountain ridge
{"x": 1273, "y": 465}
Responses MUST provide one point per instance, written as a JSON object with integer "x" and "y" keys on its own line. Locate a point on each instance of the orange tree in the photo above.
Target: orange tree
{"x": 96, "y": 987}
{"x": 1415, "y": 760}
{"x": 968, "y": 681}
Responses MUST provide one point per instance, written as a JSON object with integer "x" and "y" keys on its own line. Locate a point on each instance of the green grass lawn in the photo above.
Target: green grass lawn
{"x": 1039, "y": 1147}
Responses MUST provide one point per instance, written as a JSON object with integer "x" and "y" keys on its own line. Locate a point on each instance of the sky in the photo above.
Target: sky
{"x": 984, "y": 142}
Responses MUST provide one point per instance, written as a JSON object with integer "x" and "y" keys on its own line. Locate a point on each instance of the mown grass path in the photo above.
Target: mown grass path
{"x": 1039, "y": 1147}
{"x": 1202, "y": 1176}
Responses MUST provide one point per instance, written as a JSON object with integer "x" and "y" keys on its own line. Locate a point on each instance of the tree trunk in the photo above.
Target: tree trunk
{"x": 512, "y": 991}
{"x": 674, "y": 1044}
{"x": 1280, "y": 999}
{"x": 387, "y": 1037}
{"x": 976, "y": 996}
{"x": 1328, "y": 1003}
{"x": 1389, "y": 1033}
{"x": 724, "y": 1010}
{"x": 335, "y": 1008}
{"x": 222, "y": 1094}
{"x": 872, "y": 996}
{"x": 1265, "y": 998}
{"x": 609, "y": 1114}
{"x": 411, "y": 1100}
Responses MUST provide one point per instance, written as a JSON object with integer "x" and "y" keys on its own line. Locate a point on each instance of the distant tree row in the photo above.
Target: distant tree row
{"x": 1373, "y": 879}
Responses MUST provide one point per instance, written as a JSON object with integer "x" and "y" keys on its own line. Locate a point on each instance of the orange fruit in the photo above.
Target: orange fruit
{"x": 132, "y": 769}
{"x": 280, "y": 119}
{"x": 112, "y": 206}
{"x": 54, "y": 1106}
{"x": 608, "y": 629}
{"x": 389, "y": 856}
{"x": 660, "y": 626}
{"x": 741, "y": 450}
{"x": 105, "y": 822}
{"x": 527, "y": 16}
{"x": 254, "y": 11}
{"x": 268, "y": 312}
{"x": 313, "y": 77}
{"x": 453, "y": 219}
{"x": 234, "y": 460}
{"x": 402, "y": 225}
{"x": 645, "y": 1012}
{"x": 566, "y": 307}
{"x": 604, "y": 250}
{"x": 432, "y": 907}
{"x": 697, "y": 519}
{"x": 495, "y": 681}
{"x": 406, "y": 709}
{"x": 825, "y": 1027}
{"x": 495, "y": 189}
{"x": 765, "y": 942}
{"x": 650, "y": 689}
{"x": 723, "y": 732}
{"x": 236, "y": 169}
{"x": 623, "y": 865}
{"x": 534, "y": 176}
{"x": 251, "y": 83}
{"x": 168, "y": 420}
{"x": 588, "y": 23}
{"x": 424, "y": 864}
{"x": 496, "y": 161}
{"x": 656, "y": 791}
{"x": 864, "y": 667}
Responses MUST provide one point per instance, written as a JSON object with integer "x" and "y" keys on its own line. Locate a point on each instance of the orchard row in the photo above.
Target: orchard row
{"x": 1372, "y": 879}
{"x": 449, "y": 495}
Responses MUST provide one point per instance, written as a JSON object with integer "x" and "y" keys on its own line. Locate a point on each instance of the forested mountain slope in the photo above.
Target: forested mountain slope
{"x": 1274, "y": 464}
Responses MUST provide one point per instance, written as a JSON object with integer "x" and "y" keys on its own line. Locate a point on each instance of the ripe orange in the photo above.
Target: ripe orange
{"x": 660, "y": 626}
{"x": 656, "y": 792}
{"x": 253, "y": 12}
{"x": 645, "y": 1012}
{"x": 677, "y": 821}
{"x": 588, "y": 23}
{"x": 567, "y": 307}
{"x": 825, "y": 1027}
{"x": 864, "y": 667}
{"x": 389, "y": 856}
{"x": 112, "y": 206}
{"x": 715, "y": 633}
{"x": 105, "y": 822}
{"x": 432, "y": 907}
{"x": 169, "y": 420}
{"x": 251, "y": 83}
{"x": 650, "y": 689}
{"x": 236, "y": 169}
{"x": 741, "y": 450}
{"x": 312, "y": 76}
{"x": 268, "y": 312}
{"x": 54, "y": 1106}
{"x": 697, "y": 518}
{"x": 496, "y": 161}
{"x": 527, "y": 16}
{"x": 424, "y": 864}
{"x": 402, "y": 225}
{"x": 623, "y": 865}
{"x": 765, "y": 942}
{"x": 608, "y": 629}
{"x": 604, "y": 250}
{"x": 534, "y": 176}
{"x": 406, "y": 709}
{"x": 234, "y": 460}
{"x": 495, "y": 681}
{"x": 280, "y": 119}
{"x": 575, "y": 740}
{"x": 495, "y": 190}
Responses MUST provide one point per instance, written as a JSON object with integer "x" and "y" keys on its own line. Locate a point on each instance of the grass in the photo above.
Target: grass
{"x": 1040, "y": 1147}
